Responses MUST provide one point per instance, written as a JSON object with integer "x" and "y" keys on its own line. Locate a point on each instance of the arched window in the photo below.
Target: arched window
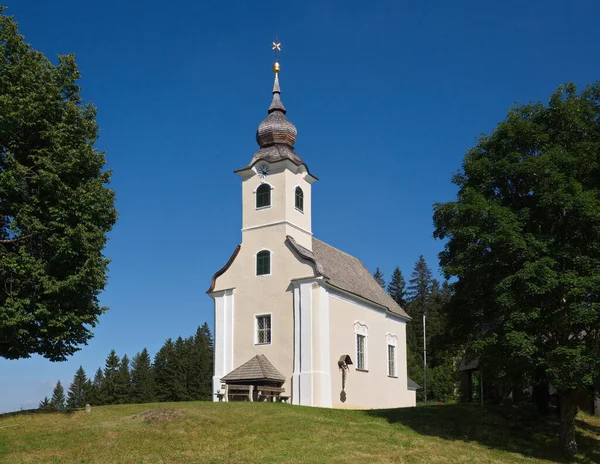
{"x": 299, "y": 199}
{"x": 263, "y": 262}
{"x": 263, "y": 196}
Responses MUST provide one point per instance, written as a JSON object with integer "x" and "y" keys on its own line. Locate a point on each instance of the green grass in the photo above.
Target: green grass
{"x": 278, "y": 433}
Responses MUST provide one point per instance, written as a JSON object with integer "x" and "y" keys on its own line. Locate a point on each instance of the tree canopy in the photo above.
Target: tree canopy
{"x": 523, "y": 243}
{"x": 55, "y": 206}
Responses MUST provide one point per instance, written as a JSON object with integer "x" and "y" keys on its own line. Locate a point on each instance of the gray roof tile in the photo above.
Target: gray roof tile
{"x": 347, "y": 273}
{"x": 256, "y": 369}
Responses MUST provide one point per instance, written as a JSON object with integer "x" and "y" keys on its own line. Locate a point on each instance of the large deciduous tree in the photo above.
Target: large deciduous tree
{"x": 523, "y": 242}
{"x": 55, "y": 206}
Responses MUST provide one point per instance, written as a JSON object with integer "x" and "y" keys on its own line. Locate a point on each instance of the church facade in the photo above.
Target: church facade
{"x": 322, "y": 327}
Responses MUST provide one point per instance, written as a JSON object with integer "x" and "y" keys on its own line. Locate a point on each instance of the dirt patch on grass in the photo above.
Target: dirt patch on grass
{"x": 159, "y": 415}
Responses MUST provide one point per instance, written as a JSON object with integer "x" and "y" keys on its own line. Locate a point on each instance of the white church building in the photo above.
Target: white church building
{"x": 292, "y": 311}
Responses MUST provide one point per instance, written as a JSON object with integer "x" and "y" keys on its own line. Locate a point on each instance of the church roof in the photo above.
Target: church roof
{"x": 347, "y": 273}
{"x": 256, "y": 369}
{"x": 412, "y": 385}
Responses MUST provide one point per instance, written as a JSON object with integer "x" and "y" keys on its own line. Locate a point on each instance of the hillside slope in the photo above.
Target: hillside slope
{"x": 278, "y": 433}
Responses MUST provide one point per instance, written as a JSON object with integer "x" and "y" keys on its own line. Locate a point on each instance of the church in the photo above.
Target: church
{"x": 293, "y": 312}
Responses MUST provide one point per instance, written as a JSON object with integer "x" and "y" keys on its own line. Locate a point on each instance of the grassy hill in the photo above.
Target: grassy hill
{"x": 278, "y": 433}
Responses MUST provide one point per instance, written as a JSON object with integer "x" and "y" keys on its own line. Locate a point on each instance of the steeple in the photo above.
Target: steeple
{"x": 276, "y": 135}
{"x": 276, "y": 128}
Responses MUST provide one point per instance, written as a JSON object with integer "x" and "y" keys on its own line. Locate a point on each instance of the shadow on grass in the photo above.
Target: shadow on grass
{"x": 504, "y": 428}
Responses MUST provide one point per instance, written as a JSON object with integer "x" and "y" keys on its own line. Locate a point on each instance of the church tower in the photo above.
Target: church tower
{"x": 276, "y": 184}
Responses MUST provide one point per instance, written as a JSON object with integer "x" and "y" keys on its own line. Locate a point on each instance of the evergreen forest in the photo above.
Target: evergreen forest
{"x": 180, "y": 371}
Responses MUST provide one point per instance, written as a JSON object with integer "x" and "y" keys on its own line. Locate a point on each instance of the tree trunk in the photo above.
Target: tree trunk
{"x": 568, "y": 411}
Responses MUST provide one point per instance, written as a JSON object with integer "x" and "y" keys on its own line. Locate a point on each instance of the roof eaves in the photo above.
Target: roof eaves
{"x": 306, "y": 254}
{"x": 374, "y": 303}
{"x": 223, "y": 269}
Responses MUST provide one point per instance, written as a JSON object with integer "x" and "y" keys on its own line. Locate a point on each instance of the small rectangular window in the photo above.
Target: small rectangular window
{"x": 263, "y": 330}
{"x": 391, "y": 360}
{"x": 360, "y": 352}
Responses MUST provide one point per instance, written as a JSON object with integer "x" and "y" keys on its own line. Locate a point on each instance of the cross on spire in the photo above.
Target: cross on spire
{"x": 276, "y": 48}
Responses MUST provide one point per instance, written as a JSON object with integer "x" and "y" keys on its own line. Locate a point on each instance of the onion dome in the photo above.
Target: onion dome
{"x": 276, "y": 128}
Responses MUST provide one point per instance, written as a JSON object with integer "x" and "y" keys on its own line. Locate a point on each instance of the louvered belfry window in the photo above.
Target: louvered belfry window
{"x": 263, "y": 329}
{"x": 299, "y": 199}
{"x": 263, "y": 262}
{"x": 263, "y": 196}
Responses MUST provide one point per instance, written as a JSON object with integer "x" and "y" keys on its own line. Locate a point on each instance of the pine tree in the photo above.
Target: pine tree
{"x": 180, "y": 364}
{"x": 58, "y": 398}
{"x": 419, "y": 290}
{"x": 378, "y": 276}
{"x": 44, "y": 404}
{"x": 397, "y": 288}
{"x": 123, "y": 382}
{"x": 78, "y": 390}
{"x": 164, "y": 372}
{"x": 142, "y": 382}
{"x": 96, "y": 396}
{"x": 109, "y": 383}
{"x": 201, "y": 365}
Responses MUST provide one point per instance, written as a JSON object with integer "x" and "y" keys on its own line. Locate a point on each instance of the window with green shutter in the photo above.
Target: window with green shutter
{"x": 263, "y": 262}
{"x": 263, "y": 196}
{"x": 299, "y": 199}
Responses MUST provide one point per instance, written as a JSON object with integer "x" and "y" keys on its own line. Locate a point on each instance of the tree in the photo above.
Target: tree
{"x": 78, "y": 390}
{"x": 57, "y": 403}
{"x": 45, "y": 404}
{"x": 123, "y": 382}
{"x": 523, "y": 242}
{"x": 200, "y": 368}
{"x": 418, "y": 296}
{"x": 378, "y": 276}
{"x": 397, "y": 288}
{"x": 55, "y": 206}
{"x": 164, "y": 372}
{"x": 109, "y": 383}
{"x": 142, "y": 382}
{"x": 96, "y": 395}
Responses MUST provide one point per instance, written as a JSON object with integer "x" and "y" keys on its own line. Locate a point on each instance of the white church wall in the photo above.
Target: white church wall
{"x": 266, "y": 294}
{"x": 372, "y": 388}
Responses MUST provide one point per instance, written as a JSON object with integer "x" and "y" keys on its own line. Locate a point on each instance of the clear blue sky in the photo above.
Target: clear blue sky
{"x": 386, "y": 96}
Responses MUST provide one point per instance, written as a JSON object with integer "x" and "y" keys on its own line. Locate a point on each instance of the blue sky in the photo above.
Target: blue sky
{"x": 387, "y": 96}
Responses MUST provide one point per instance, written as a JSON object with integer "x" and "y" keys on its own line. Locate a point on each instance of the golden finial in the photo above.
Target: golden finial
{"x": 276, "y": 48}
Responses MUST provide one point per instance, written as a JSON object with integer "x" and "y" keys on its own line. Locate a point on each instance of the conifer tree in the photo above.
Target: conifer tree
{"x": 123, "y": 382}
{"x": 180, "y": 365}
{"x": 45, "y": 404}
{"x": 96, "y": 396}
{"x": 142, "y": 382}
{"x": 378, "y": 275}
{"x": 109, "y": 383}
{"x": 418, "y": 293}
{"x": 78, "y": 390}
{"x": 164, "y": 372}
{"x": 58, "y": 398}
{"x": 201, "y": 365}
{"x": 397, "y": 288}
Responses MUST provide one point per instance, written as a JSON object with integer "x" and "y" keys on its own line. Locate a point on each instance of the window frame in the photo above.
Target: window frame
{"x": 297, "y": 190}
{"x": 392, "y": 342}
{"x": 260, "y": 254}
{"x": 267, "y": 188}
{"x": 392, "y": 361}
{"x": 361, "y": 330}
{"x": 257, "y": 341}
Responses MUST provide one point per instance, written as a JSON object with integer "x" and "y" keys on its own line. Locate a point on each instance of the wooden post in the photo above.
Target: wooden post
{"x": 250, "y": 392}
{"x": 226, "y": 393}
